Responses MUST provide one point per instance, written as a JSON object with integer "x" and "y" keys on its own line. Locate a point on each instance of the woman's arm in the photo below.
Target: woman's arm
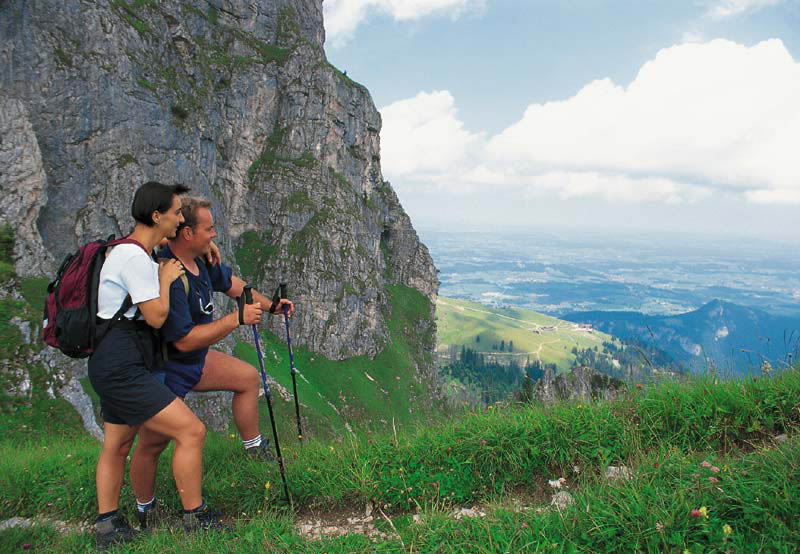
{"x": 155, "y": 311}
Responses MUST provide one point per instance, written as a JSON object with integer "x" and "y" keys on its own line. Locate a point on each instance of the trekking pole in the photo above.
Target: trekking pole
{"x": 282, "y": 289}
{"x": 247, "y": 295}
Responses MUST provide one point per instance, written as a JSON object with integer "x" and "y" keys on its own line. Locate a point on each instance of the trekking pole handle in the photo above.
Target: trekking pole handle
{"x": 245, "y": 298}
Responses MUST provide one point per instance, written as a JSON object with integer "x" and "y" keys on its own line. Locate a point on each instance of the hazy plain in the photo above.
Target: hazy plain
{"x": 559, "y": 273}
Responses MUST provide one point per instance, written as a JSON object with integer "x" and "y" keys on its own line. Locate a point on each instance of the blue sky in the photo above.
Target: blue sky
{"x": 603, "y": 115}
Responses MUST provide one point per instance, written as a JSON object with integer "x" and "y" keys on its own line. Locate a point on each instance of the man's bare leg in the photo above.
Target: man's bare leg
{"x": 177, "y": 422}
{"x": 144, "y": 463}
{"x": 226, "y": 373}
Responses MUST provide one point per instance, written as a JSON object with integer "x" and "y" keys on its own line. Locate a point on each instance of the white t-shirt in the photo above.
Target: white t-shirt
{"x": 127, "y": 270}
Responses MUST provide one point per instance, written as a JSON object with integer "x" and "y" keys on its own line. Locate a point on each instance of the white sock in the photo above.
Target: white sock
{"x": 144, "y": 506}
{"x": 252, "y": 443}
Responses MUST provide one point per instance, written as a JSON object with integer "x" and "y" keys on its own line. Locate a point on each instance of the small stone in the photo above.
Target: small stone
{"x": 306, "y": 528}
{"x": 781, "y": 438}
{"x": 614, "y": 473}
{"x": 468, "y": 512}
{"x": 15, "y": 522}
{"x": 561, "y": 500}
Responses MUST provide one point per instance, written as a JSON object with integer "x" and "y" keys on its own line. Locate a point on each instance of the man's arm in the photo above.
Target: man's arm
{"x": 207, "y": 334}
{"x": 238, "y": 286}
{"x": 202, "y": 336}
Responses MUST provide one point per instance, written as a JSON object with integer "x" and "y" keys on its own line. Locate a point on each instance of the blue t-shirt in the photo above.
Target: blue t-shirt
{"x": 196, "y": 308}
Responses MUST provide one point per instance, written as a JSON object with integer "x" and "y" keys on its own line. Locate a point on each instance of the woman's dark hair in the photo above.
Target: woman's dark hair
{"x": 151, "y": 197}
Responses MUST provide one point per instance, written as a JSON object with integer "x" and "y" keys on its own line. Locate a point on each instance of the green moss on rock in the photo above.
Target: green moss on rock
{"x": 253, "y": 251}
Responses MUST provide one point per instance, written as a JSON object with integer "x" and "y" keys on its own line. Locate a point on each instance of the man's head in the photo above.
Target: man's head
{"x": 197, "y": 230}
{"x": 158, "y": 205}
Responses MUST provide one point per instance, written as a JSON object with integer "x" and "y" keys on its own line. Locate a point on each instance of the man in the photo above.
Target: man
{"x": 189, "y": 331}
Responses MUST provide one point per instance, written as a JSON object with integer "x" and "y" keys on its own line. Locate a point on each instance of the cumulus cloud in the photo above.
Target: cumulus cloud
{"x": 615, "y": 188}
{"x": 697, "y": 118}
{"x": 342, "y": 17}
{"x": 423, "y": 137}
{"x": 720, "y": 9}
{"x": 717, "y": 113}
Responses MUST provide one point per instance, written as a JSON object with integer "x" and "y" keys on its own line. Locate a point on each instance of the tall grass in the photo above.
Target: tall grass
{"x": 752, "y": 507}
{"x": 475, "y": 457}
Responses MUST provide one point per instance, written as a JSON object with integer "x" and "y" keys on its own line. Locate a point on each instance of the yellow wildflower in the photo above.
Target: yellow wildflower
{"x": 232, "y": 436}
{"x": 727, "y": 529}
{"x": 704, "y": 512}
{"x": 267, "y": 485}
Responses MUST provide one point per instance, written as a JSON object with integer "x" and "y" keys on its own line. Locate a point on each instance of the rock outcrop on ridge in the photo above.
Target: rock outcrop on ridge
{"x": 234, "y": 98}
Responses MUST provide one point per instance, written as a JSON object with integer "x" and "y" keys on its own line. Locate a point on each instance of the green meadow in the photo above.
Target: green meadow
{"x": 715, "y": 467}
{"x": 535, "y": 336}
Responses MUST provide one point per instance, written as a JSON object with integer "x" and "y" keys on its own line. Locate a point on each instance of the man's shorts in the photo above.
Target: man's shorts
{"x": 129, "y": 394}
{"x": 181, "y": 378}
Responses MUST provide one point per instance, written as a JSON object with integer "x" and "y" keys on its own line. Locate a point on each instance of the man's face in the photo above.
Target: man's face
{"x": 168, "y": 222}
{"x": 204, "y": 232}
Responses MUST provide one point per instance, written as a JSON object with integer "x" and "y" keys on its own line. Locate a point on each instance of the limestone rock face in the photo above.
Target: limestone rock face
{"x": 22, "y": 186}
{"x": 234, "y": 98}
{"x": 581, "y": 383}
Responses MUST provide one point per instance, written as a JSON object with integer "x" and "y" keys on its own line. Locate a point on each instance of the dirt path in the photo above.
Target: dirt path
{"x": 539, "y": 350}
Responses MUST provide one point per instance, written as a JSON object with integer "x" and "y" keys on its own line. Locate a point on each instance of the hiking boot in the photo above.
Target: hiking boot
{"x": 203, "y": 519}
{"x": 113, "y": 531}
{"x": 261, "y": 452}
{"x": 149, "y": 517}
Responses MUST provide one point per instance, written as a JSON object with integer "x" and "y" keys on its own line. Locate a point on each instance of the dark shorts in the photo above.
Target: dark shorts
{"x": 129, "y": 394}
{"x": 181, "y": 378}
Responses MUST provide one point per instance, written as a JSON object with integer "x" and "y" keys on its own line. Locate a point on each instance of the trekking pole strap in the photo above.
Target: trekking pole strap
{"x": 276, "y": 299}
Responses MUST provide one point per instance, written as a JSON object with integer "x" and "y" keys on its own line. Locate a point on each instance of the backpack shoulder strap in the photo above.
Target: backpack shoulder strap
{"x": 126, "y": 305}
{"x": 128, "y": 240}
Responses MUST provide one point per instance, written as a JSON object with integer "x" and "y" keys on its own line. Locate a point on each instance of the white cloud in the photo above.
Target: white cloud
{"x": 615, "y": 188}
{"x": 423, "y": 138}
{"x": 697, "y": 118}
{"x": 342, "y": 17}
{"x": 718, "y": 113}
{"x": 726, "y": 8}
{"x": 777, "y": 196}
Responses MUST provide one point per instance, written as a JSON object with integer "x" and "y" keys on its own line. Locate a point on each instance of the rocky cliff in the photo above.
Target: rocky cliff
{"x": 232, "y": 97}
{"x": 580, "y": 383}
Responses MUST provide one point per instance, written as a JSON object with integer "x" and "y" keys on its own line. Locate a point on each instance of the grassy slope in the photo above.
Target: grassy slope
{"x": 393, "y": 394}
{"x": 460, "y": 321}
{"x": 664, "y": 432}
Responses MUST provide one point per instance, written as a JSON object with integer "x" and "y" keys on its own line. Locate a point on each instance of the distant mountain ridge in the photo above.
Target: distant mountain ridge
{"x": 734, "y": 338}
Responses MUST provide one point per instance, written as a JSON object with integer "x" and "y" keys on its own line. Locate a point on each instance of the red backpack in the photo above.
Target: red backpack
{"x": 70, "y": 311}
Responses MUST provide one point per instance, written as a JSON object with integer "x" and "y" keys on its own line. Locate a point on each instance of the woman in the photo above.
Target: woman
{"x": 130, "y": 396}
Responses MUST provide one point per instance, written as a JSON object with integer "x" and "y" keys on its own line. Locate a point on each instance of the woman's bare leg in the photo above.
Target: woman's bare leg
{"x": 117, "y": 441}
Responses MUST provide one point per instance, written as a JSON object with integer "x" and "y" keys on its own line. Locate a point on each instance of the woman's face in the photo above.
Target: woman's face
{"x": 168, "y": 221}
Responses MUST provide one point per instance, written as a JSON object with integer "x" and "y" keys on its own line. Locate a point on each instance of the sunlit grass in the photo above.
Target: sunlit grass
{"x": 489, "y": 456}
